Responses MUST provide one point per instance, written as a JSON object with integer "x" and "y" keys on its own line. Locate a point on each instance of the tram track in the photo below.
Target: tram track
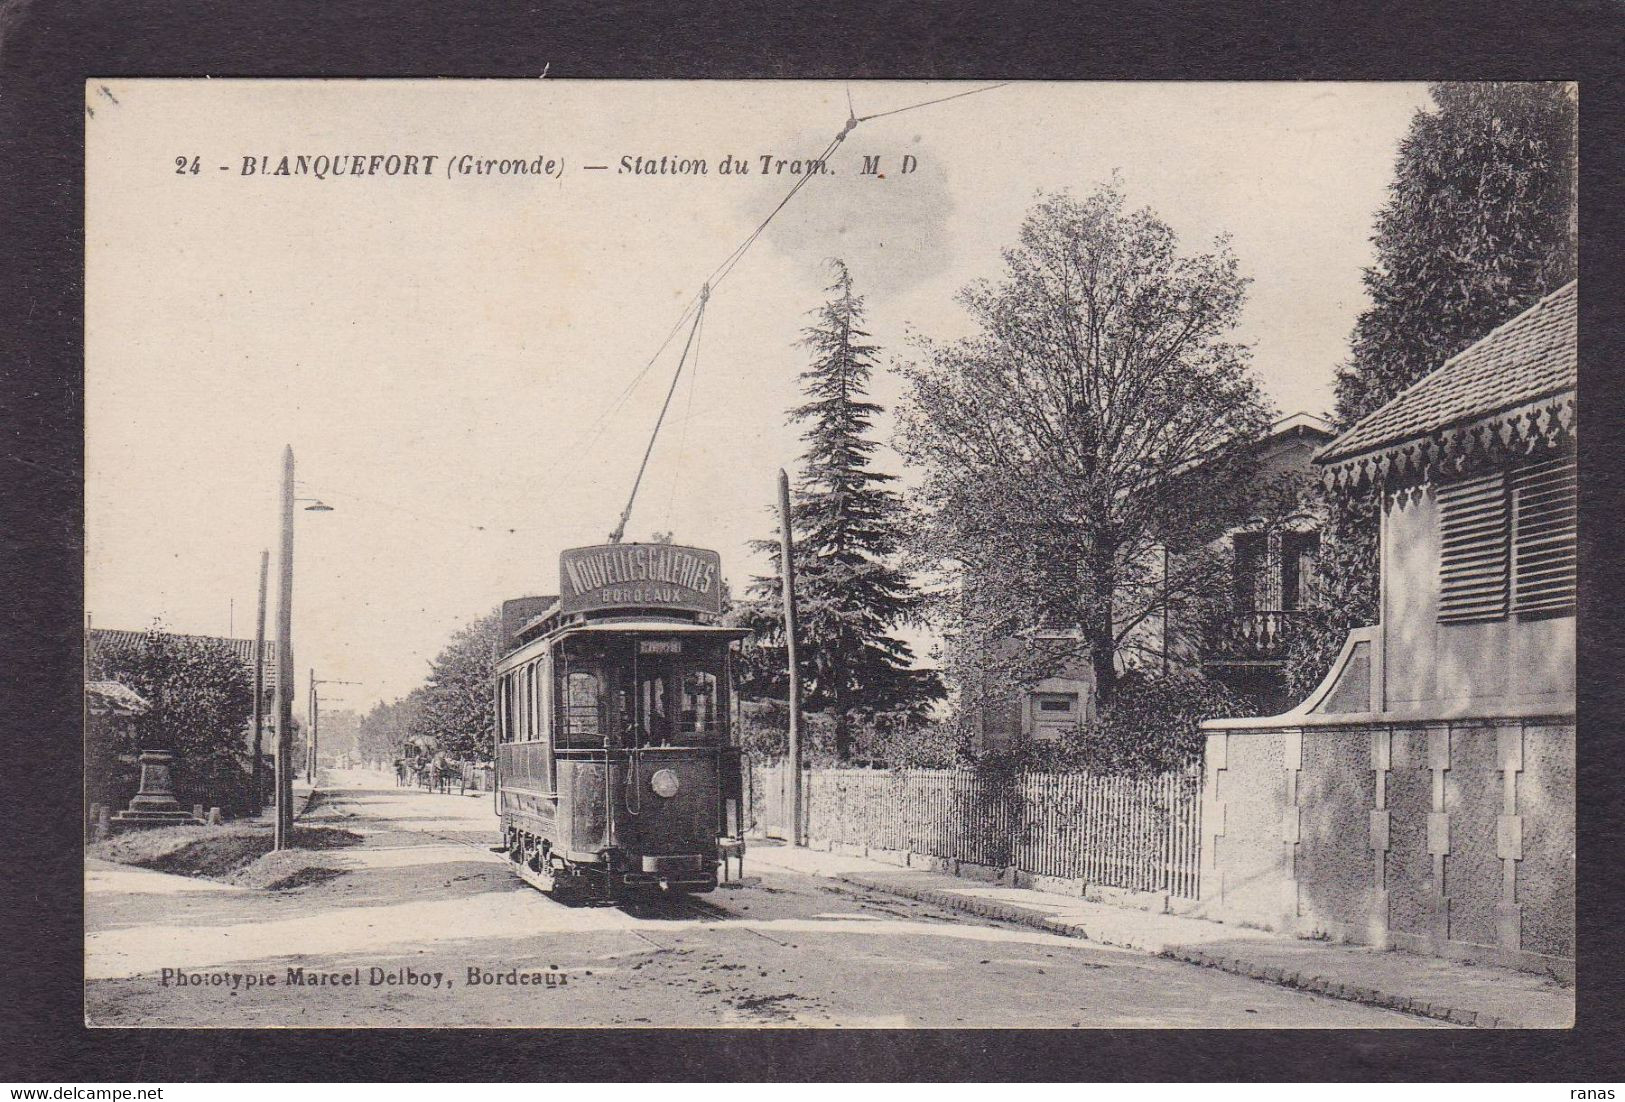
{"x": 652, "y": 908}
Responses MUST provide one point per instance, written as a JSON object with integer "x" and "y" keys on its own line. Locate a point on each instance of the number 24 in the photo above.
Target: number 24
{"x": 184, "y": 167}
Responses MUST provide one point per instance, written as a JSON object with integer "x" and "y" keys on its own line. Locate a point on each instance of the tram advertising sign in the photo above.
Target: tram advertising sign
{"x": 640, "y": 575}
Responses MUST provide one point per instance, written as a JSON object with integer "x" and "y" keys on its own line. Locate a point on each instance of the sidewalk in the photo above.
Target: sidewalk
{"x": 1460, "y": 993}
{"x": 303, "y": 793}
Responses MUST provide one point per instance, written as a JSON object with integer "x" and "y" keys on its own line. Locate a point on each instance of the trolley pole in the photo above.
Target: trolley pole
{"x": 787, "y": 569}
{"x": 259, "y": 683}
{"x": 284, "y": 659}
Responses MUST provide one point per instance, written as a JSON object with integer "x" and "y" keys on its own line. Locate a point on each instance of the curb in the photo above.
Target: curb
{"x": 1300, "y": 980}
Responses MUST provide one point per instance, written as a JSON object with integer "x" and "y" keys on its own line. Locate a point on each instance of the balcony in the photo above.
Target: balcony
{"x": 1251, "y": 637}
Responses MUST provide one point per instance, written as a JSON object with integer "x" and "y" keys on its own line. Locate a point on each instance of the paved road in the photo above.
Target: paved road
{"x": 426, "y": 909}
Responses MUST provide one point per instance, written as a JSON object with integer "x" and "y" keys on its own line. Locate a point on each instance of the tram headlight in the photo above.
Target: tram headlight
{"x": 664, "y": 783}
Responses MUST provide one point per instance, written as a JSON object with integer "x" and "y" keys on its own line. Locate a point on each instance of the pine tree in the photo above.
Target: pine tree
{"x": 1480, "y": 223}
{"x": 848, "y": 526}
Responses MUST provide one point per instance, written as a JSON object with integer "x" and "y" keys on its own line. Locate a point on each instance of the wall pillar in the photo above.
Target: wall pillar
{"x": 1215, "y": 760}
{"x": 1439, "y": 838}
{"x": 1291, "y": 829}
{"x": 1509, "y": 838}
{"x": 1382, "y": 746}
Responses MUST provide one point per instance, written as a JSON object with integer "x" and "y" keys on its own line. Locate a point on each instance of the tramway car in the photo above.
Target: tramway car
{"x": 616, "y": 762}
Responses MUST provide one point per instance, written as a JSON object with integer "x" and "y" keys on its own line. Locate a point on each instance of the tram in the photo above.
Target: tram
{"x": 616, "y": 762}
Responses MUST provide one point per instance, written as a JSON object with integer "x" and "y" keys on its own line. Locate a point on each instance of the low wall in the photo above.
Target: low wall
{"x": 1450, "y": 838}
{"x": 1077, "y": 830}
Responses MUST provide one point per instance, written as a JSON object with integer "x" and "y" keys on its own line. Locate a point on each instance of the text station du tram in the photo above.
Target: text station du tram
{"x": 616, "y": 763}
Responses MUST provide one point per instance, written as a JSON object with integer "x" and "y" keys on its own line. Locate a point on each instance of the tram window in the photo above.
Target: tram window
{"x": 533, "y": 715}
{"x": 699, "y": 715}
{"x": 527, "y": 677}
{"x": 582, "y": 692}
{"x": 519, "y": 732}
{"x": 654, "y": 712}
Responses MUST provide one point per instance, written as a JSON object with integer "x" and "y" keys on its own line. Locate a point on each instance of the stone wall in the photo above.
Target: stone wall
{"x": 1450, "y": 838}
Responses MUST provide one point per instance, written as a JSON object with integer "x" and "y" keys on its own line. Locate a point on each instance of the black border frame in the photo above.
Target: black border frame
{"x": 47, "y": 49}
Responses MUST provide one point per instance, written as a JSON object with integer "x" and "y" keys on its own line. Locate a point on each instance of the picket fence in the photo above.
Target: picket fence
{"x": 1136, "y": 833}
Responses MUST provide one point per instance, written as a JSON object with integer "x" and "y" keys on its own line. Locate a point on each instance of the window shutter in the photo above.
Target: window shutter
{"x": 1473, "y": 530}
{"x": 1544, "y": 537}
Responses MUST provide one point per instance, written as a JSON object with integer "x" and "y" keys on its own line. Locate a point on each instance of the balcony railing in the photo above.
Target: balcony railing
{"x": 1252, "y": 637}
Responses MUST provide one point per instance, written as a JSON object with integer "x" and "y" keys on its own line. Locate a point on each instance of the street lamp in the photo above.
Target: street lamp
{"x": 283, "y": 836}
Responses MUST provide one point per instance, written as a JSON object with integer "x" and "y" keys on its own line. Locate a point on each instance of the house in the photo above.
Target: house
{"x": 242, "y": 648}
{"x": 1269, "y": 559}
{"x": 1272, "y": 572}
{"x": 1476, "y": 465}
{"x": 111, "y": 710}
{"x": 1422, "y": 797}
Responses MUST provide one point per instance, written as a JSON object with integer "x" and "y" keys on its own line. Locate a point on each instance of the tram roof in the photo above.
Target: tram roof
{"x": 653, "y": 625}
{"x": 547, "y": 626}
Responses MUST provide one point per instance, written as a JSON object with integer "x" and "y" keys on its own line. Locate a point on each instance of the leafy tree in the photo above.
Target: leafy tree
{"x": 1097, "y": 417}
{"x": 848, "y": 526}
{"x": 458, "y": 708}
{"x": 338, "y": 734}
{"x": 1480, "y": 223}
{"x": 385, "y": 728}
{"x": 201, "y": 698}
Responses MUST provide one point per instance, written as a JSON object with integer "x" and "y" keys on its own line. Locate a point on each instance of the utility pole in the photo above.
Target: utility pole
{"x": 310, "y": 742}
{"x": 316, "y": 721}
{"x": 284, "y": 660}
{"x": 259, "y": 683}
{"x": 787, "y": 568}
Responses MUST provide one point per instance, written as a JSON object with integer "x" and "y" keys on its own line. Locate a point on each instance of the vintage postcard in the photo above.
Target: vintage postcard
{"x": 816, "y": 554}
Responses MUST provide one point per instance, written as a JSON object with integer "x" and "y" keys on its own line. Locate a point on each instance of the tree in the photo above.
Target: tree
{"x": 386, "y": 727}
{"x": 458, "y": 704}
{"x": 201, "y": 698}
{"x": 1480, "y": 222}
{"x": 1098, "y": 416}
{"x": 848, "y": 527}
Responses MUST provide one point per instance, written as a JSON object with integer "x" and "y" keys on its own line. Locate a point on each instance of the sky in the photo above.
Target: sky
{"x": 462, "y": 363}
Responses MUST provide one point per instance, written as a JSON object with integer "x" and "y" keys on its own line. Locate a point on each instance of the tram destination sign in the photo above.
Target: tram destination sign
{"x": 640, "y": 575}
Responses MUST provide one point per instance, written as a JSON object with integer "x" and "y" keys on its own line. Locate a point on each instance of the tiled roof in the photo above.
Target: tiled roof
{"x": 242, "y": 648}
{"x": 1529, "y": 358}
{"x": 112, "y": 698}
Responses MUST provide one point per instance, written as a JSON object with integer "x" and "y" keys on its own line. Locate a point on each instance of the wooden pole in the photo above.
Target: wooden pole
{"x": 310, "y": 742}
{"x": 284, "y": 659}
{"x": 787, "y": 568}
{"x": 259, "y": 683}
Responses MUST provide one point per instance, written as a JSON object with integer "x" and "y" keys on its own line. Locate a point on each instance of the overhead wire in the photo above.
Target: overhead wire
{"x": 931, "y": 102}
{"x": 694, "y": 310}
{"x": 688, "y": 416}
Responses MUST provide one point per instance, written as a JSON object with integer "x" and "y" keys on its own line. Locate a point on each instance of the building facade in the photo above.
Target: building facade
{"x": 242, "y": 648}
{"x": 1242, "y": 641}
{"x": 1423, "y": 796}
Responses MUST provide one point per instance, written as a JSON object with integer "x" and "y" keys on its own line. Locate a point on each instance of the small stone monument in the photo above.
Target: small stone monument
{"x": 154, "y": 804}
